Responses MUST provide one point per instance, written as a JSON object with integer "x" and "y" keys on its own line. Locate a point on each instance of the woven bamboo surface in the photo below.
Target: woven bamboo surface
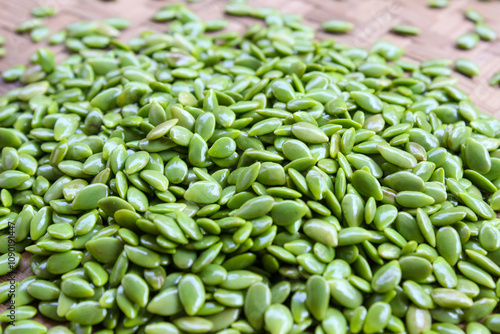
{"x": 373, "y": 20}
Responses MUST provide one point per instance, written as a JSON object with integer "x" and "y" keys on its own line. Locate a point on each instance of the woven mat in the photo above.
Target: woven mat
{"x": 373, "y": 20}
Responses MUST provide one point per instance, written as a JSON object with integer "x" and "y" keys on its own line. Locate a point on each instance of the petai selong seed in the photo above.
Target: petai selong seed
{"x": 256, "y": 183}
{"x": 403, "y": 29}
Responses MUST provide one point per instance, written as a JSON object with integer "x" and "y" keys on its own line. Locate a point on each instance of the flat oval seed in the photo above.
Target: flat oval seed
{"x": 450, "y": 298}
{"x": 418, "y": 295}
{"x": 367, "y": 184}
{"x": 26, "y": 326}
{"x": 318, "y": 295}
{"x": 136, "y": 289}
{"x": 397, "y": 157}
{"x": 387, "y": 277}
{"x": 467, "y": 41}
{"x": 337, "y": 26}
{"x": 165, "y": 303}
{"x": 194, "y": 324}
{"x": 255, "y": 207}
{"x": 309, "y": 133}
{"x": 345, "y": 293}
{"x": 466, "y": 67}
{"x": 89, "y": 196}
{"x": 278, "y": 319}
{"x": 86, "y": 313}
{"x": 377, "y": 317}
{"x": 203, "y": 192}
{"x": 321, "y": 231}
{"x": 418, "y": 320}
{"x": 155, "y": 179}
{"x": 257, "y": 300}
{"x": 448, "y": 244}
{"x": 415, "y": 268}
{"x": 413, "y": 199}
{"x": 136, "y": 162}
{"x": 367, "y": 101}
{"x": 478, "y": 158}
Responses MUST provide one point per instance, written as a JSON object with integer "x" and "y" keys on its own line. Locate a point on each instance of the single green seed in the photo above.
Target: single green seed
{"x": 43, "y": 11}
{"x": 467, "y": 41}
{"x": 178, "y": 175}
{"x": 337, "y": 26}
{"x": 405, "y": 30}
{"x": 466, "y": 67}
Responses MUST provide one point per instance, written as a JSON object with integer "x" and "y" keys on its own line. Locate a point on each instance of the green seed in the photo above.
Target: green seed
{"x": 194, "y": 324}
{"x": 485, "y": 32}
{"x": 405, "y": 30}
{"x": 466, "y": 67}
{"x": 309, "y": 133}
{"x": 321, "y": 231}
{"x": 29, "y": 25}
{"x": 26, "y": 326}
{"x": 318, "y": 295}
{"x": 367, "y": 184}
{"x": 39, "y": 33}
{"x": 247, "y": 183}
{"x": 165, "y": 303}
{"x": 397, "y": 157}
{"x": 377, "y": 317}
{"x": 86, "y": 313}
{"x": 204, "y": 192}
{"x": 450, "y": 298}
{"x": 345, "y": 293}
{"x": 43, "y": 11}
{"x": 278, "y": 319}
{"x": 337, "y": 26}
{"x": 258, "y": 299}
{"x": 367, "y": 101}
{"x": 418, "y": 320}
{"x": 473, "y": 15}
{"x": 467, "y": 41}
{"x": 136, "y": 289}
{"x": 387, "y": 277}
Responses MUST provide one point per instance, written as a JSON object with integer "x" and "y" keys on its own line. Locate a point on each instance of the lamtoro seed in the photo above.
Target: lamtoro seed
{"x": 263, "y": 182}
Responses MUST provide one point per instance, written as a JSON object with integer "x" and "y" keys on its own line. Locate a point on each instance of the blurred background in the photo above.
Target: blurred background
{"x": 440, "y": 27}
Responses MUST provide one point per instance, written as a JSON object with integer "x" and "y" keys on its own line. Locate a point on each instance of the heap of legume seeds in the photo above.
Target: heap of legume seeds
{"x": 438, "y": 3}
{"x": 404, "y": 29}
{"x": 252, "y": 183}
{"x": 36, "y": 27}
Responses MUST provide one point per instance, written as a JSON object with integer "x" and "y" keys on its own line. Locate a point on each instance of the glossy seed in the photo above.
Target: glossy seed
{"x": 318, "y": 295}
{"x": 265, "y": 182}
{"x": 466, "y": 67}
{"x": 467, "y": 41}
{"x": 191, "y": 293}
{"x": 337, "y": 26}
{"x": 397, "y": 157}
{"x": 405, "y": 30}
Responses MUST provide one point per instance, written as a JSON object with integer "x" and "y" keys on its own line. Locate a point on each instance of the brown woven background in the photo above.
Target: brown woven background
{"x": 373, "y": 19}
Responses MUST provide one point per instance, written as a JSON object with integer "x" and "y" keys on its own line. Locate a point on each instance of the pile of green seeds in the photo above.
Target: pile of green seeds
{"x": 255, "y": 183}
